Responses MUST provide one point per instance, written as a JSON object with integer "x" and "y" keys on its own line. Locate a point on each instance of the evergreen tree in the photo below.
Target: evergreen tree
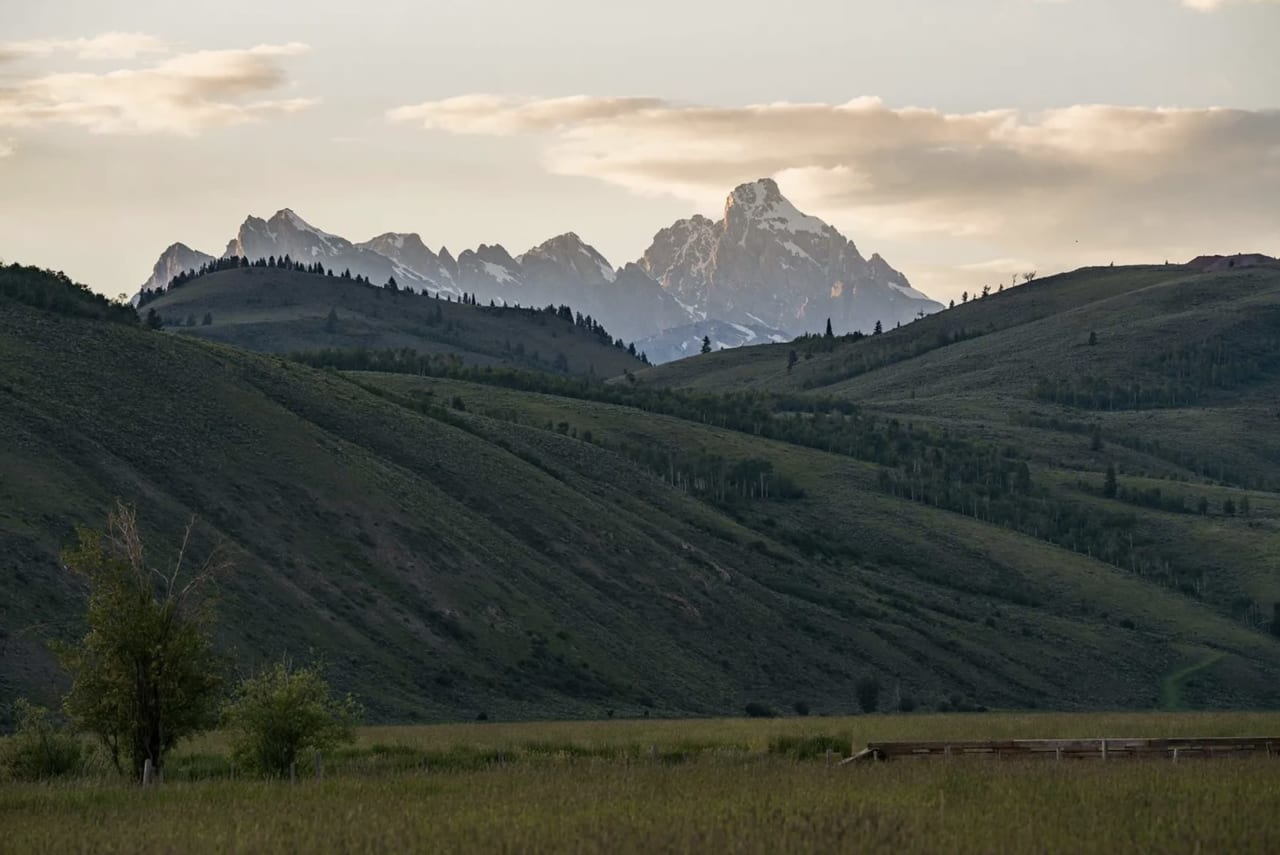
{"x": 1109, "y": 485}
{"x": 868, "y": 691}
{"x": 391, "y": 284}
{"x": 792, "y": 359}
{"x": 706, "y": 344}
{"x": 1093, "y": 338}
{"x": 208, "y": 320}
{"x": 1275, "y": 620}
{"x": 153, "y": 319}
{"x": 878, "y": 330}
{"x": 1229, "y": 507}
{"x": 829, "y": 333}
{"x": 331, "y": 322}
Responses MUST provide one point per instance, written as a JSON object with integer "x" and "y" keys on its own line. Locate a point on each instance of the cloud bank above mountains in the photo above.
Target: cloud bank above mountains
{"x": 1110, "y": 176}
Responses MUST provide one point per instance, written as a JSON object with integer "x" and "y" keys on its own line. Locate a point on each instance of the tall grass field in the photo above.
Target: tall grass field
{"x": 738, "y": 785}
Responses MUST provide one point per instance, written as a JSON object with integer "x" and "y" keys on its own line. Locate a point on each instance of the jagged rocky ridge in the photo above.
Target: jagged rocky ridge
{"x": 764, "y": 271}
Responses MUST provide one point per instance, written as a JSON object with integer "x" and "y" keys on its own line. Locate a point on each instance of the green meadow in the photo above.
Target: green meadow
{"x": 714, "y": 785}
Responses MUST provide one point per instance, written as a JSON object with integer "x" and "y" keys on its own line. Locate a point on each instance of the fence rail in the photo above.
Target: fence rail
{"x": 1059, "y": 749}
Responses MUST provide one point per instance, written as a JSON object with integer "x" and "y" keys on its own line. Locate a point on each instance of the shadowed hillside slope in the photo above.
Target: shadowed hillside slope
{"x": 528, "y": 554}
{"x": 278, "y": 311}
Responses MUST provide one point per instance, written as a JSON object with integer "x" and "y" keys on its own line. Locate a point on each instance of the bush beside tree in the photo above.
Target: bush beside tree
{"x": 281, "y": 712}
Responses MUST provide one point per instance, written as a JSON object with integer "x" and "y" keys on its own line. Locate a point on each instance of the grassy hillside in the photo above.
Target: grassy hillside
{"x": 278, "y": 311}
{"x": 1168, "y": 375}
{"x": 463, "y": 544}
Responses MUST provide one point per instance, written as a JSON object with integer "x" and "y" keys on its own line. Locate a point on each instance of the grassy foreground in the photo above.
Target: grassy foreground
{"x": 741, "y": 786}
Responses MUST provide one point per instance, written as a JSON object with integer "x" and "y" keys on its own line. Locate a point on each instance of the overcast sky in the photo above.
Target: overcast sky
{"x": 963, "y": 140}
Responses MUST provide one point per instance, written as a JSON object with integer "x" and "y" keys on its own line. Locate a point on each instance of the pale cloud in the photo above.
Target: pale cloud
{"x": 502, "y": 115}
{"x": 6, "y": 148}
{"x": 183, "y": 94}
{"x": 1211, "y": 5}
{"x": 112, "y": 45}
{"x": 1118, "y": 181}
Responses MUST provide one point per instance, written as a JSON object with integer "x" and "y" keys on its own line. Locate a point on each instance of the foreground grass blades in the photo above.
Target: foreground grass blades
{"x": 707, "y": 785}
{"x": 710, "y": 805}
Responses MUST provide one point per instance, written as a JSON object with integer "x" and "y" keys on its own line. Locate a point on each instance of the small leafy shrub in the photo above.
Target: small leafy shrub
{"x": 758, "y": 710}
{"x": 40, "y": 749}
{"x": 281, "y": 712}
{"x": 801, "y": 708}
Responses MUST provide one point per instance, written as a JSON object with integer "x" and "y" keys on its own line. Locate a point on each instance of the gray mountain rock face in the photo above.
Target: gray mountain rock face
{"x": 178, "y": 258}
{"x": 288, "y": 234}
{"x": 768, "y": 264}
{"x": 764, "y": 271}
{"x": 425, "y": 269}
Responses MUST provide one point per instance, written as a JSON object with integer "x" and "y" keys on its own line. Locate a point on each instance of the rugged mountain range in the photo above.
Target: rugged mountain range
{"x": 764, "y": 266}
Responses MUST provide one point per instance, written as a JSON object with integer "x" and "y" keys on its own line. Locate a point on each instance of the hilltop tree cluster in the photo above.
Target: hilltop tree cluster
{"x": 54, "y": 291}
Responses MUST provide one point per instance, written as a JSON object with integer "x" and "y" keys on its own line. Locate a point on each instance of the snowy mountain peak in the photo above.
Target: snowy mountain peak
{"x": 768, "y": 264}
{"x": 286, "y": 216}
{"x": 762, "y": 204}
{"x": 571, "y": 254}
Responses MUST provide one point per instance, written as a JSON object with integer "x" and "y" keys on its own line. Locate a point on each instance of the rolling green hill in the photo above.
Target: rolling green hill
{"x": 533, "y": 545}
{"x": 277, "y": 311}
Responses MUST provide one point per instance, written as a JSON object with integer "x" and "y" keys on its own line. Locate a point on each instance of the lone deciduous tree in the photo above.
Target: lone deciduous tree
{"x": 145, "y": 675}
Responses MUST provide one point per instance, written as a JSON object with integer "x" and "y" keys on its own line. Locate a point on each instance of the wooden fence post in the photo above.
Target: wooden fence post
{"x": 653, "y": 752}
{"x": 319, "y": 765}
{"x": 146, "y": 772}
{"x": 828, "y": 757}
{"x": 293, "y": 773}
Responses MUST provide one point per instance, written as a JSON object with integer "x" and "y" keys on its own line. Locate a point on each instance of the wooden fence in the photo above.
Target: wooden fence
{"x": 1062, "y": 749}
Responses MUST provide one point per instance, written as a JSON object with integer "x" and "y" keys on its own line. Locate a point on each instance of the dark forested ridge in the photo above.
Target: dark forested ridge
{"x": 54, "y": 291}
{"x": 455, "y": 533}
{"x": 280, "y": 305}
